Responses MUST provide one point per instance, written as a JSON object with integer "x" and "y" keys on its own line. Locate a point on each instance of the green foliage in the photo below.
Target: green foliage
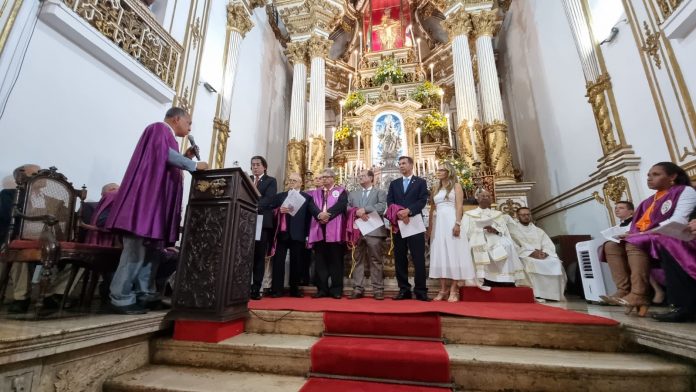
{"x": 464, "y": 173}
{"x": 354, "y": 100}
{"x": 427, "y": 94}
{"x": 434, "y": 124}
{"x": 388, "y": 71}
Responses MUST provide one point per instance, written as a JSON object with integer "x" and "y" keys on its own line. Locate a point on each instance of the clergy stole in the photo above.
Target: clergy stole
{"x": 335, "y": 229}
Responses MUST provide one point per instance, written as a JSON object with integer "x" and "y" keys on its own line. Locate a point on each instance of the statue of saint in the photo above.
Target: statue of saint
{"x": 387, "y": 31}
{"x": 390, "y": 141}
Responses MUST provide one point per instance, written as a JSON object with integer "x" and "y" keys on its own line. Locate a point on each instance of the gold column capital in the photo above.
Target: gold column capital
{"x": 485, "y": 23}
{"x": 458, "y": 23}
{"x": 318, "y": 46}
{"x": 238, "y": 18}
{"x": 297, "y": 52}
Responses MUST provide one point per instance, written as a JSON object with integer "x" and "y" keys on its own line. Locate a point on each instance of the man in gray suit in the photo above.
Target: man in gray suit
{"x": 367, "y": 200}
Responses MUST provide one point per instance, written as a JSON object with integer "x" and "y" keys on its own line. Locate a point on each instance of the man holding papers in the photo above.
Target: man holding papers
{"x": 292, "y": 227}
{"x": 410, "y": 194}
{"x": 371, "y": 204}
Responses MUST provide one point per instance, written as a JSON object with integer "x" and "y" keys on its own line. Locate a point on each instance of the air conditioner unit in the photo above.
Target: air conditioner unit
{"x": 590, "y": 270}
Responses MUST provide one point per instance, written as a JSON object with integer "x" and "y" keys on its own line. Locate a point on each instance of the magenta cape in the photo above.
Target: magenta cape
{"x": 97, "y": 237}
{"x": 684, "y": 252}
{"x": 149, "y": 199}
{"x": 392, "y": 217}
{"x": 335, "y": 229}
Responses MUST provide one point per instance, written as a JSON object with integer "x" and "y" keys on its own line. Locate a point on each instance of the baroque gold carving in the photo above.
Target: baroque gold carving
{"x": 238, "y": 18}
{"x": 464, "y": 141}
{"x": 215, "y": 187}
{"x": 510, "y": 207}
{"x": 499, "y": 158}
{"x": 597, "y": 99}
{"x": 652, "y": 45}
{"x": 222, "y": 133}
{"x": 458, "y": 23}
{"x": 667, "y": 7}
{"x": 305, "y": 16}
{"x": 318, "y": 46}
{"x": 184, "y": 101}
{"x": 196, "y": 32}
{"x": 615, "y": 188}
{"x": 297, "y": 52}
{"x": 131, "y": 26}
{"x": 318, "y": 146}
{"x": 296, "y": 158}
{"x": 485, "y": 23}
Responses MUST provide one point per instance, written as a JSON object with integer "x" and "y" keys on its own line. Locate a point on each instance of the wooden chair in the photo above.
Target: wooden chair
{"x": 48, "y": 228}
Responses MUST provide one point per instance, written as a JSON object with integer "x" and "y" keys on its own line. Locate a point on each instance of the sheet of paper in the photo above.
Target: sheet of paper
{"x": 676, "y": 230}
{"x": 259, "y": 226}
{"x": 613, "y": 232}
{"x": 373, "y": 223}
{"x": 293, "y": 202}
{"x": 481, "y": 223}
{"x": 415, "y": 226}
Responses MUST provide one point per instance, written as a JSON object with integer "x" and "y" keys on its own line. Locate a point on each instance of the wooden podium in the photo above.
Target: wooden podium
{"x": 217, "y": 250}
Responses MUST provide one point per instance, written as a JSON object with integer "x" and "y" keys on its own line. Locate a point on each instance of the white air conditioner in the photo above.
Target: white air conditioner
{"x": 593, "y": 282}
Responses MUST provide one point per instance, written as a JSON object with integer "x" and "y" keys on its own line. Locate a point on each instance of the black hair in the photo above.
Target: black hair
{"x": 628, "y": 204}
{"x": 672, "y": 169}
{"x": 409, "y": 159}
{"x": 262, "y": 159}
{"x": 175, "y": 112}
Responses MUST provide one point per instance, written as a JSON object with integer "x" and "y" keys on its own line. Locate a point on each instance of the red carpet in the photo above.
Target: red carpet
{"x": 404, "y": 360}
{"x": 489, "y": 310}
{"x": 411, "y": 325}
{"x": 318, "y": 384}
{"x": 497, "y": 294}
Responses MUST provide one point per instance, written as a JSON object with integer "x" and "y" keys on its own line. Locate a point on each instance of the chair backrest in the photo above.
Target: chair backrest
{"x": 49, "y": 193}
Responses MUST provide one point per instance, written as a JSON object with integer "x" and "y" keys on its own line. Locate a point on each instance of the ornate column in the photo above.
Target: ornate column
{"x": 318, "y": 49}
{"x": 458, "y": 24}
{"x": 498, "y": 157}
{"x": 296, "y": 161}
{"x": 238, "y": 24}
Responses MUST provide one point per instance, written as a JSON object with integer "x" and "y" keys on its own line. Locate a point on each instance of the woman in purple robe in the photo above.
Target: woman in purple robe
{"x": 631, "y": 259}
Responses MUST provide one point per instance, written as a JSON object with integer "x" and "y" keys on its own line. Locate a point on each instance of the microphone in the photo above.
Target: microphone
{"x": 195, "y": 147}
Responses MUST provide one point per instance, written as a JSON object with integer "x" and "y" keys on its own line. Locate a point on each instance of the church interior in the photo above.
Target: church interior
{"x": 559, "y": 109}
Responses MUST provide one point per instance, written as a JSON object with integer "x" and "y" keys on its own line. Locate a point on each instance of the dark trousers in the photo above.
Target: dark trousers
{"x": 329, "y": 263}
{"x": 415, "y": 244}
{"x": 260, "y": 260}
{"x": 681, "y": 287}
{"x": 296, "y": 248}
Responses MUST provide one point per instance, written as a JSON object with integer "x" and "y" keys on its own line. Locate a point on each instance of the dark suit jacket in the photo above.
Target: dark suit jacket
{"x": 298, "y": 225}
{"x": 6, "y": 200}
{"x": 268, "y": 187}
{"x": 414, "y": 199}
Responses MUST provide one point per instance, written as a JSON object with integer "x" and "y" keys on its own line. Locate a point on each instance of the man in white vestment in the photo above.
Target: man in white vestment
{"x": 538, "y": 254}
{"x": 491, "y": 246}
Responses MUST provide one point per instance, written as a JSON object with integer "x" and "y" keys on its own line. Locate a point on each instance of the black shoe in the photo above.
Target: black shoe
{"x": 296, "y": 294}
{"x": 676, "y": 315}
{"x": 53, "y": 302}
{"x": 18, "y": 306}
{"x": 276, "y": 294}
{"x": 135, "y": 308}
{"x": 356, "y": 295}
{"x": 336, "y": 296}
{"x": 423, "y": 298}
{"x": 255, "y": 296}
{"x": 320, "y": 294}
{"x": 402, "y": 295}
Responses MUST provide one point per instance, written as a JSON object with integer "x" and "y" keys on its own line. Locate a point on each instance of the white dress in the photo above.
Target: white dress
{"x": 450, "y": 256}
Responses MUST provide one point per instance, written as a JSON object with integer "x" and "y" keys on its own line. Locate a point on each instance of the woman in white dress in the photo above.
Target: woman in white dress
{"x": 450, "y": 255}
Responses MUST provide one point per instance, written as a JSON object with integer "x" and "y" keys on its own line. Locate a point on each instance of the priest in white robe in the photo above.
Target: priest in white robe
{"x": 492, "y": 247}
{"x": 538, "y": 254}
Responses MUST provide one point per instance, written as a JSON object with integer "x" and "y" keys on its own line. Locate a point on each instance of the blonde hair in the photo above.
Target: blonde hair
{"x": 451, "y": 176}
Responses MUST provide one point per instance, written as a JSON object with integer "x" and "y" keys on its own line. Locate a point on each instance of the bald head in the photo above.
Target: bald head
{"x": 108, "y": 188}
{"x": 484, "y": 199}
{"x": 23, "y": 172}
{"x": 294, "y": 181}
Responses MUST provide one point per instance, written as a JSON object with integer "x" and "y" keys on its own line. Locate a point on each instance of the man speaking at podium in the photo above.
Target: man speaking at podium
{"x": 147, "y": 210}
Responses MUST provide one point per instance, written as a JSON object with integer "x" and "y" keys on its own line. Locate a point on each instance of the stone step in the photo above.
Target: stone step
{"x": 155, "y": 378}
{"x": 473, "y": 367}
{"x": 461, "y": 330}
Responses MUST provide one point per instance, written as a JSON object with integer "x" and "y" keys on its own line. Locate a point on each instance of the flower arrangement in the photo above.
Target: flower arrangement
{"x": 343, "y": 133}
{"x": 434, "y": 124}
{"x": 464, "y": 173}
{"x": 354, "y": 100}
{"x": 428, "y": 94}
{"x": 390, "y": 71}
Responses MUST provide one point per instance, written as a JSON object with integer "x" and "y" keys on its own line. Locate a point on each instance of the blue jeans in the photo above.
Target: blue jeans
{"x": 132, "y": 277}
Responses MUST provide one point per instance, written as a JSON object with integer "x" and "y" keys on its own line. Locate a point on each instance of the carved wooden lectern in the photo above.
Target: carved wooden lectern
{"x": 217, "y": 249}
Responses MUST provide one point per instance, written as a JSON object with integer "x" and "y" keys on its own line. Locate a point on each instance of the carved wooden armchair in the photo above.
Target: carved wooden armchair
{"x": 47, "y": 232}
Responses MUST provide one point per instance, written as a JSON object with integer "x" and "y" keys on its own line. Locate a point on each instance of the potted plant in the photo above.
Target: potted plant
{"x": 433, "y": 125}
{"x": 388, "y": 71}
{"x": 344, "y": 136}
{"x": 354, "y": 100}
{"x": 427, "y": 94}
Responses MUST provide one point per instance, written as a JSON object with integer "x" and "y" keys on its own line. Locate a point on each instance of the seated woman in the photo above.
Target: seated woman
{"x": 630, "y": 260}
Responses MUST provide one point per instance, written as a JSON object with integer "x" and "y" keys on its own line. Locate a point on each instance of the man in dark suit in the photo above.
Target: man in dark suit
{"x": 291, "y": 234}
{"x": 410, "y": 192}
{"x": 267, "y": 187}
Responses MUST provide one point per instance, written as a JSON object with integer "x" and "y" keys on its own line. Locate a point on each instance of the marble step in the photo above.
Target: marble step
{"x": 473, "y": 367}
{"x": 463, "y": 330}
{"x": 187, "y": 379}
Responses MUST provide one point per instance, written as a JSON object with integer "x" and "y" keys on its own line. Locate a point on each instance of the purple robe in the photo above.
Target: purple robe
{"x": 148, "y": 204}
{"x": 98, "y": 237}
{"x": 684, "y": 252}
{"x": 335, "y": 229}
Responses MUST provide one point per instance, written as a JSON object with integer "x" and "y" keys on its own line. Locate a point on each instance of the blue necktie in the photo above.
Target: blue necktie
{"x": 406, "y": 181}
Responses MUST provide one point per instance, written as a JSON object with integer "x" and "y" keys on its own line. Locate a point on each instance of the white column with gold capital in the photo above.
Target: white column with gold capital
{"x": 458, "y": 25}
{"x": 318, "y": 48}
{"x": 498, "y": 156}
{"x": 295, "y": 163}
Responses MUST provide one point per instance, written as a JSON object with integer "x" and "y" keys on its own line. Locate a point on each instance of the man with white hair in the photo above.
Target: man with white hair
{"x": 538, "y": 254}
{"x": 491, "y": 246}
